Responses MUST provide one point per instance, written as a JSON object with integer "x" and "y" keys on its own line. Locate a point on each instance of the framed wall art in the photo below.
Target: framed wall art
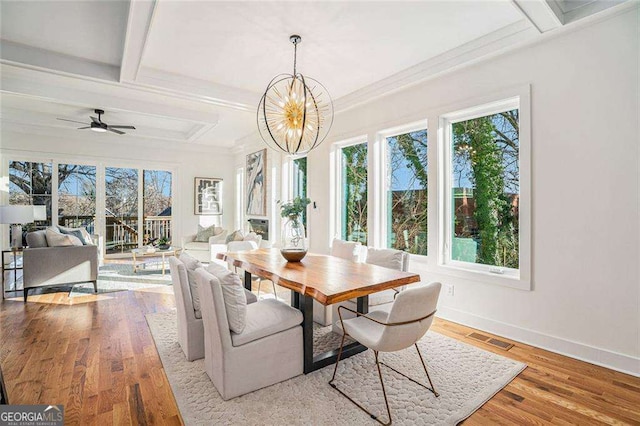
{"x": 256, "y": 179}
{"x": 208, "y": 196}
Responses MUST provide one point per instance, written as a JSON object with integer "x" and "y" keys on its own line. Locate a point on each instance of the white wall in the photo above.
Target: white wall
{"x": 585, "y": 299}
{"x": 186, "y": 162}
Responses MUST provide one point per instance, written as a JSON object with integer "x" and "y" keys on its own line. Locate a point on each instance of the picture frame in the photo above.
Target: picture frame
{"x": 256, "y": 183}
{"x": 208, "y": 196}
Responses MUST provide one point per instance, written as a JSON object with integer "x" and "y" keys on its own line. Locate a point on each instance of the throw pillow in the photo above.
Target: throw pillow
{"x": 235, "y": 236}
{"x": 387, "y": 258}
{"x": 219, "y": 238}
{"x": 252, "y": 236}
{"x": 235, "y": 299}
{"x": 191, "y": 264}
{"x": 85, "y": 237}
{"x": 75, "y": 233}
{"x": 204, "y": 234}
{"x": 58, "y": 239}
{"x": 345, "y": 249}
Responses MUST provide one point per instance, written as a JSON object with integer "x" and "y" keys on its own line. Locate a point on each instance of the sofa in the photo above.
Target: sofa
{"x": 201, "y": 250}
{"x": 46, "y": 266}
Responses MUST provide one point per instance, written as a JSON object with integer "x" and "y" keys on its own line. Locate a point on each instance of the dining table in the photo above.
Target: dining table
{"x": 325, "y": 279}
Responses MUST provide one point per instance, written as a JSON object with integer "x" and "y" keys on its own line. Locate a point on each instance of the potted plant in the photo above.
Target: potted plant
{"x": 294, "y": 243}
{"x": 163, "y": 243}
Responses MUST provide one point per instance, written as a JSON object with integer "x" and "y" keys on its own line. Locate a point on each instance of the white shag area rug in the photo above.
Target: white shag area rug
{"x": 465, "y": 376}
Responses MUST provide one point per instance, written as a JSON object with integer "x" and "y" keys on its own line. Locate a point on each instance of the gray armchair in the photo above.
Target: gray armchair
{"x": 51, "y": 266}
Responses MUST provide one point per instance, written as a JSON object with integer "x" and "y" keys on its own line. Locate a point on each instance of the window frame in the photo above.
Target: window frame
{"x": 515, "y": 278}
{"x": 384, "y": 171}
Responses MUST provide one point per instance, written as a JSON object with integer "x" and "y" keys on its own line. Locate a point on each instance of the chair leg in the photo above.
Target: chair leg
{"x": 430, "y": 389}
{"x": 259, "y": 284}
{"x": 275, "y": 293}
{"x": 433, "y": 388}
{"x": 95, "y": 286}
{"x": 384, "y": 393}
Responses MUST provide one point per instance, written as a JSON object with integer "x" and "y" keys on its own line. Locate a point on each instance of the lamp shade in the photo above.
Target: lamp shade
{"x": 16, "y": 214}
{"x": 39, "y": 212}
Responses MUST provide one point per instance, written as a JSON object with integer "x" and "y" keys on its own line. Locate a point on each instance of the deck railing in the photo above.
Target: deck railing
{"x": 122, "y": 232}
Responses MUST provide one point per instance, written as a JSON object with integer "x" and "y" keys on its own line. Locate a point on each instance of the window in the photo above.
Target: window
{"x": 406, "y": 192}
{"x": 354, "y": 193}
{"x": 77, "y": 196}
{"x": 484, "y": 189}
{"x": 299, "y": 177}
{"x": 157, "y": 205}
{"x": 121, "y": 213}
{"x": 30, "y": 184}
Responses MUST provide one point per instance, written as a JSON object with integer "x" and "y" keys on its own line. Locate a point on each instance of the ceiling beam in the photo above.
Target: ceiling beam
{"x": 544, "y": 15}
{"x": 101, "y": 94}
{"x": 218, "y": 94}
{"x": 16, "y": 53}
{"x": 139, "y": 24}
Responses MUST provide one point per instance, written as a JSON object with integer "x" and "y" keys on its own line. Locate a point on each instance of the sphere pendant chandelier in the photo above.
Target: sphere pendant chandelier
{"x": 296, "y": 112}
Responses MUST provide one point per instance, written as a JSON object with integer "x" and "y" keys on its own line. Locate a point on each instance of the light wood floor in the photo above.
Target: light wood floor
{"x": 95, "y": 355}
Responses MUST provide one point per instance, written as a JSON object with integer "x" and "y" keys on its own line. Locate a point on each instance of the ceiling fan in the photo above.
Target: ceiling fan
{"x": 97, "y": 125}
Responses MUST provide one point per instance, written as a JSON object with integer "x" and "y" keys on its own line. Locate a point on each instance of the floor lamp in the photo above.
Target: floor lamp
{"x": 16, "y": 216}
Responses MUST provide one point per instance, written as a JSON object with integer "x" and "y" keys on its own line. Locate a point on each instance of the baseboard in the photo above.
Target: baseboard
{"x": 602, "y": 357}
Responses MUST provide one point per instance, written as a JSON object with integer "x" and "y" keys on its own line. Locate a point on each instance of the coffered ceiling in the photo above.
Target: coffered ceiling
{"x": 193, "y": 72}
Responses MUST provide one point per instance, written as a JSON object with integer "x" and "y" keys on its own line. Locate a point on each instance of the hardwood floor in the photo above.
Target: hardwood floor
{"x": 95, "y": 355}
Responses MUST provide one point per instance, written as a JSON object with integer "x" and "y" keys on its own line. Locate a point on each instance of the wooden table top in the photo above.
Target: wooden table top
{"x": 328, "y": 279}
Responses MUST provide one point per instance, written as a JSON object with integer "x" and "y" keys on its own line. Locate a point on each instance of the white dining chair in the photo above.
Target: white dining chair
{"x": 403, "y": 325}
{"x": 238, "y": 246}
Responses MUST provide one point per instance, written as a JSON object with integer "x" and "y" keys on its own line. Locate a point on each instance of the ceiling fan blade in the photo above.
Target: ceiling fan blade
{"x": 115, "y": 131}
{"x": 121, "y": 127}
{"x": 82, "y": 128}
{"x": 95, "y": 120}
{"x": 71, "y": 121}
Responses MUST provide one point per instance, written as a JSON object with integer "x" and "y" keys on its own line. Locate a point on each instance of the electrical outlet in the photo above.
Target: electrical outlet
{"x": 450, "y": 289}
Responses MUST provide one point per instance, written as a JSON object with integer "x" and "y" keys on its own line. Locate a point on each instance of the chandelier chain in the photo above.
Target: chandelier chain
{"x": 295, "y": 57}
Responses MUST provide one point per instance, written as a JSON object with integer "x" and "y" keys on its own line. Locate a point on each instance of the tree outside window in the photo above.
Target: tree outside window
{"x": 300, "y": 183}
{"x": 486, "y": 186}
{"x": 354, "y": 193}
{"x": 407, "y": 192}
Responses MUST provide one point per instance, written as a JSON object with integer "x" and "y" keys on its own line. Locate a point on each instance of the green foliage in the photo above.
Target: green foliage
{"x": 354, "y": 166}
{"x": 162, "y": 241}
{"x": 294, "y": 208}
{"x": 489, "y": 150}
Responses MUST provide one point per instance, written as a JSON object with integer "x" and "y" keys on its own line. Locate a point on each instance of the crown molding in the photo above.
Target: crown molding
{"x": 489, "y": 45}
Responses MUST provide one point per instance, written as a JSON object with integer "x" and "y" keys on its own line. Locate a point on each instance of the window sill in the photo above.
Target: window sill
{"x": 511, "y": 280}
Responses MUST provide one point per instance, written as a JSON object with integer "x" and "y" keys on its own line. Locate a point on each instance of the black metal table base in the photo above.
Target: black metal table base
{"x": 305, "y": 304}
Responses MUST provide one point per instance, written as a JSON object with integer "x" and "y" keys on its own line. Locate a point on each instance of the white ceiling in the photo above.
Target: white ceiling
{"x": 345, "y": 45}
{"x": 193, "y": 71}
{"x": 89, "y": 29}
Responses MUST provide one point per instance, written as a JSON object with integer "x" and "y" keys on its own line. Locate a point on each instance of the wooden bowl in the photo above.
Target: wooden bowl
{"x": 293, "y": 255}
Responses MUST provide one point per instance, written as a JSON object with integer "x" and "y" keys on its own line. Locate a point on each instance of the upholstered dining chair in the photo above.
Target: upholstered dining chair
{"x": 269, "y": 350}
{"x": 406, "y": 322}
{"x": 387, "y": 258}
{"x": 349, "y": 250}
{"x": 237, "y": 246}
